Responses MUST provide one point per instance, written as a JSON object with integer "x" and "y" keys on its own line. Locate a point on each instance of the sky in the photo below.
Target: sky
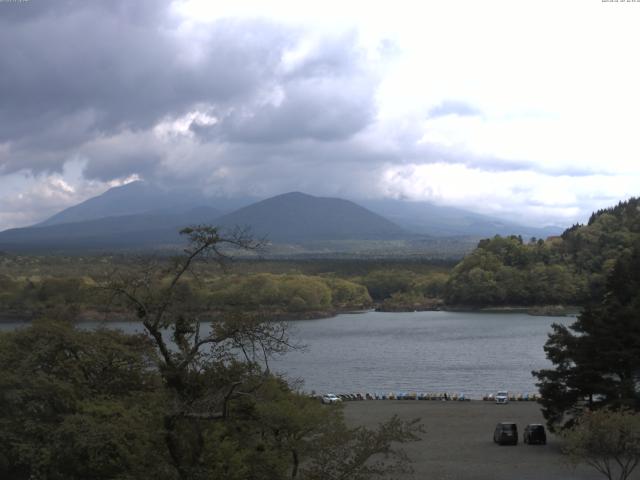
{"x": 528, "y": 110}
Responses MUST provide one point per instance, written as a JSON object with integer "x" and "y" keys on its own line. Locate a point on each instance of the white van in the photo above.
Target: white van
{"x": 502, "y": 397}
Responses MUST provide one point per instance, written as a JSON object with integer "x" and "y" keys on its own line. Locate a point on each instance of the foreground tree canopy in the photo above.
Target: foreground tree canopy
{"x": 597, "y": 359}
{"x": 180, "y": 401}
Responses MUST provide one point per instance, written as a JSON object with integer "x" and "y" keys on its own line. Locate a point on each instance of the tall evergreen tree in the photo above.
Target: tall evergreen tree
{"x": 597, "y": 358}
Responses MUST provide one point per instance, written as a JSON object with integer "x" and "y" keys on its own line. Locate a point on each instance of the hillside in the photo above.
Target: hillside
{"x": 561, "y": 270}
{"x": 297, "y": 217}
{"x": 436, "y": 220}
{"x": 140, "y": 215}
{"x": 289, "y": 219}
{"x": 117, "y": 232}
{"x": 421, "y": 218}
{"x": 142, "y": 197}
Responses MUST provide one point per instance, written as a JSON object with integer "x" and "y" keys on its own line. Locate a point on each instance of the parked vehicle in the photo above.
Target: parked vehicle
{"x": 329, "y": 398}
{"x": 502, "y": 397}
{"x": 534, "y": 433}
{"x": 506, "y": 433}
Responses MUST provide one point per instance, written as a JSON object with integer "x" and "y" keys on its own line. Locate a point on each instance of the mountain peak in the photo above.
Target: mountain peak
{"x": 299, "y": 217}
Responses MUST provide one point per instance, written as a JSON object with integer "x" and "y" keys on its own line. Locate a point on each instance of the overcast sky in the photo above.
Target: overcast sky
{"x": 525, "y": 109}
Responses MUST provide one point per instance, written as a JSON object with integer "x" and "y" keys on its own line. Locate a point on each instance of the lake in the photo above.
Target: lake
{"x": 456, "y": 352}
{"x": 474, "y": 353}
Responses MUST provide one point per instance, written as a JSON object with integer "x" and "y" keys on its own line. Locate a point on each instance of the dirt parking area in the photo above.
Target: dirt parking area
{"x": 458, "y": 441}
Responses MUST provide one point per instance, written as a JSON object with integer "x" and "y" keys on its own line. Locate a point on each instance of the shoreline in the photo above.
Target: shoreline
{"x": 92, "y": 315}
{"x": 533, "y": 310}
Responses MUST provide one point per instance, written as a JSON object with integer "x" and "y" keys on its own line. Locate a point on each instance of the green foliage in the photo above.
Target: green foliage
{"x": 597, "y": 359}
{"x": 566, "y": 270}
{"x": 77, "y": 404}
{"x": 259, "y": 291}
{"x": 290, "y": 293}
{"x": 398, "y": 287}
{"x": 44, "y": 294}
{"x": 505, "y": 271}
{"x": 33, "y": 286}
{"x": 608, "y": 441}
{"x": 409, "y": 301}
{"x": 432, "y": 285}
{"x": 99, "y": 404}
{"x": 382, "y": 283}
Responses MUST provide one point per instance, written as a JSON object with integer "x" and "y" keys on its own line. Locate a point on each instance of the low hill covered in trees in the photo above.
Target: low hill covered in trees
{"x": 559, "y": 270}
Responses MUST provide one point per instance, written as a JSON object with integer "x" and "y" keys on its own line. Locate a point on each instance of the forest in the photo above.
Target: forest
{"x": 566, "y": 270}
{"x": 33, "y": 286}
{"x": 501, "y": 272}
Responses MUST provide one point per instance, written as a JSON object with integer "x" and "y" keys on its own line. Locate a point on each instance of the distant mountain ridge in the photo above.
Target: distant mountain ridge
{"x": 143, "y": 216}
{"x": 142, "y": 197}
{"x": 291, "y": 218}
{"x": 429, "y": 219}
{"x": 116, "y": 232}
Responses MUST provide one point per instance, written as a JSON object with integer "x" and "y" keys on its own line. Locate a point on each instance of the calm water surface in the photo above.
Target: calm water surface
{"x": 473, "y": 353}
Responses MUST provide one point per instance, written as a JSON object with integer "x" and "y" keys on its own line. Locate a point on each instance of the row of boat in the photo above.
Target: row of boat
{"x": 403, "y": 396}
{"x": 442, "y": 396}
{"x": 520, "y": 397}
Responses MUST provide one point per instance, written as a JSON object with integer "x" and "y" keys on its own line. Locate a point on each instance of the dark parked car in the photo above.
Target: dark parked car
{"x": 506, "y": 434}
{"x": 534, "y": 433}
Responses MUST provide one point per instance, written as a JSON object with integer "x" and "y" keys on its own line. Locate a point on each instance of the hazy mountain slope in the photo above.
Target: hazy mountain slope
{"x": 297, "y": 217}
{"x": 139, "y": 215}
{"x": 289, "y": 219}
{"x": 416, "y": 217}
{"x": 429, "y": 219}
{"x": 142, "y": 197}
{"x": 126, "y": 231}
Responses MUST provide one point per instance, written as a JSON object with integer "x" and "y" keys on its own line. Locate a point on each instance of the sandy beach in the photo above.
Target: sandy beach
{"x": 458, "y": 441}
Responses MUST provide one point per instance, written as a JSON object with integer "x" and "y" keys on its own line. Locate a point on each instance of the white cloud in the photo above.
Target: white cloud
{"x": 523, "y": 195}
{"x": 26, "y": 198}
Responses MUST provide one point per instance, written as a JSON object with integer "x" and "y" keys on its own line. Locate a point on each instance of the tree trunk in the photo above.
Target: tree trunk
{"x": 296, "y": 463}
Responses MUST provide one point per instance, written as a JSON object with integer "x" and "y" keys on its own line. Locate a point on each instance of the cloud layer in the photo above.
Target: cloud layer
{"x": 100, "y": 92}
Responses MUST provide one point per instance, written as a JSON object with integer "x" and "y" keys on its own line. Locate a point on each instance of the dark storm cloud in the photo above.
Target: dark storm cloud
{"x": 84, "y": 58}
{"x": 327, "y": 95}
{"x": 317, "y": 108}
{"x": 79, "y": 78}
{"x": 105, "y": 165}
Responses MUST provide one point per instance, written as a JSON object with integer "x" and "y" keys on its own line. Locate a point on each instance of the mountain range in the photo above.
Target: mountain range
{"x": 425, "y": 218}
{"x": 140, "y": 215}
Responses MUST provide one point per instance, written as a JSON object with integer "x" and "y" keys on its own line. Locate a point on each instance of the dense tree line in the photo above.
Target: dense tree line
{"x": 292, "y": 292}
{"x": 284, "y": 293}
{"x": 560, "y": 270}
